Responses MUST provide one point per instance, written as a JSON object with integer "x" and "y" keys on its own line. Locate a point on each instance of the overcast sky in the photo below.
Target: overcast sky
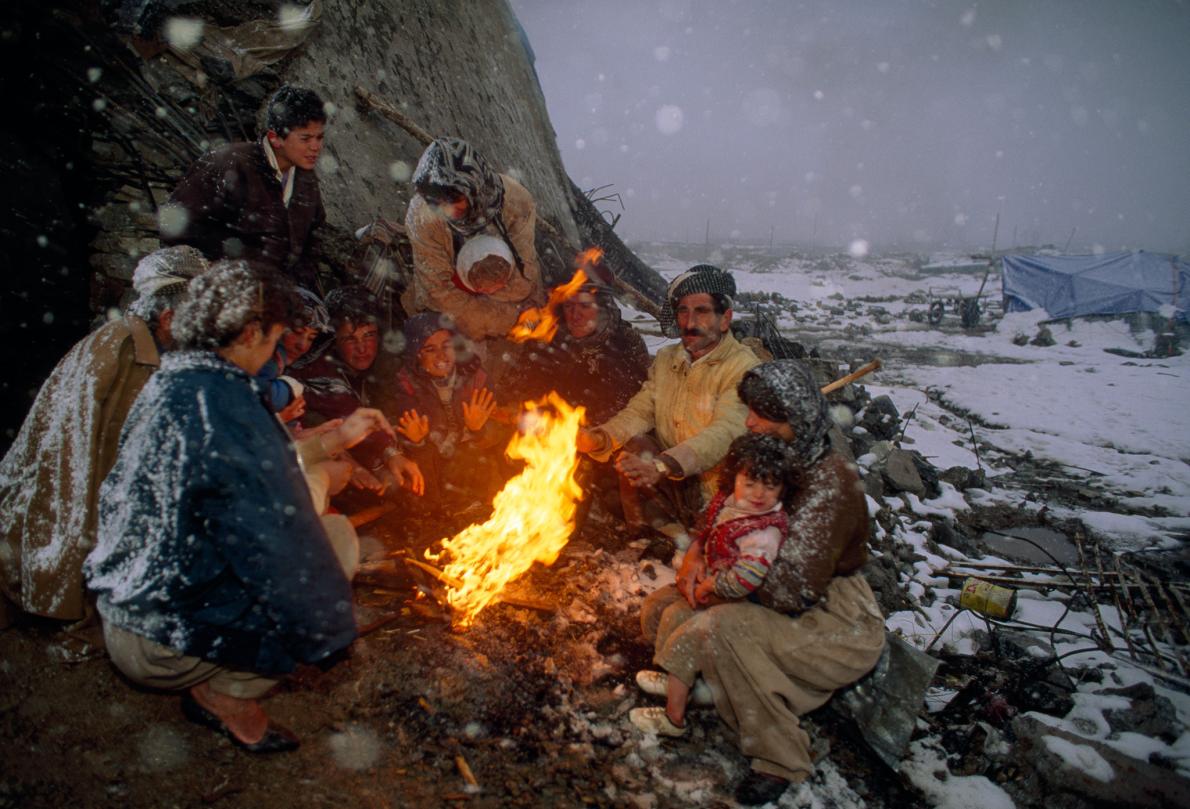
{"x": 903, "y": 122}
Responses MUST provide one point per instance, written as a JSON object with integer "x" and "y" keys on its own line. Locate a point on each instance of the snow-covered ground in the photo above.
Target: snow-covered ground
{"x": 1118, "y": 426}
{"x": 1122, "y": 423}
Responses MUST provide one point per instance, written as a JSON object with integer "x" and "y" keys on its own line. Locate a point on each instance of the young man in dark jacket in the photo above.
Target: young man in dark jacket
{"x": 213, "y": 572}
{"x": 348, "y": 375}
{"x": 257, "y": 201}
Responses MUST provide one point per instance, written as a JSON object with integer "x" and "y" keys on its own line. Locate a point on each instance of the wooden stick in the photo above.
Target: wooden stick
{"x": 370, "y": 514}
{"x": 449, "y": 581}
{"x": 393, "y": 114}
{"x": 874, "y": 365}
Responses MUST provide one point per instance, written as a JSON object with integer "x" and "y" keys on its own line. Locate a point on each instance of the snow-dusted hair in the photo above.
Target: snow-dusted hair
{"x": 221, "y": 302}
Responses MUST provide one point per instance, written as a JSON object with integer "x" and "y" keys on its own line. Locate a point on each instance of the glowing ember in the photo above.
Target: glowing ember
{"x": 533, "y": 514}
{"x": 542, "y": 323}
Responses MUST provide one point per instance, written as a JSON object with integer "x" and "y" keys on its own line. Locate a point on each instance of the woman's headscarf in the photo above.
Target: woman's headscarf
{"x": 451, "y": 163}
{"x": 785, "y": 390}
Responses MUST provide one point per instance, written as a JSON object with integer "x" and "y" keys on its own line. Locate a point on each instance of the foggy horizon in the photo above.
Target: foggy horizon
{"x": 908, "y": 125}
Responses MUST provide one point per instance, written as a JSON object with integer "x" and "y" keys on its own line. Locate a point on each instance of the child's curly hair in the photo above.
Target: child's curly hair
{"x": 763, "y": 457}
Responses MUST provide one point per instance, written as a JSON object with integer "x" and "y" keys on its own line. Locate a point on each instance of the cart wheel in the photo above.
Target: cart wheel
{"x": 969, "y": 312}
{"x": 937, "y": 310}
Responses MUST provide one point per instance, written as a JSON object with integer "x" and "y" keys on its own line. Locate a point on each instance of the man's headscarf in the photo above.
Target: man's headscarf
{"x": 163, "y": 276}
{"x": 785, "y": 390}
{"x": 314, "y": 312}
{"x": 451, "y": 163}
{"x": 699, "y": 278}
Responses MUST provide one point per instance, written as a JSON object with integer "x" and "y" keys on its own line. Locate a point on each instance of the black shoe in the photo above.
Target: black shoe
{"x": 275, "y": 740}
{"x": 759, "y": 788}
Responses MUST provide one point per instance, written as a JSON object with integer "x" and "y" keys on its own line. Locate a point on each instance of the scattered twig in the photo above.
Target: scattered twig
{"x": 377, "y": 624}
{"x": 220, "y": 792}
{"x": 905, "y": 424}
{"x": 975, "y": 445}
{"x": 465, "y": 771}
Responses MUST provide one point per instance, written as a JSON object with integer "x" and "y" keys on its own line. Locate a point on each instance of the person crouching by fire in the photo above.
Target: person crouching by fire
{"x": 442, "y": 407}
{"x": 348, "y": 376}
{"x": 213, "y": 573}
{"x": 595, "y": 360}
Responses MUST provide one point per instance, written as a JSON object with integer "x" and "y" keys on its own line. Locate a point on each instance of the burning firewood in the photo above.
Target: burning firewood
{"x": 512, "y": 601}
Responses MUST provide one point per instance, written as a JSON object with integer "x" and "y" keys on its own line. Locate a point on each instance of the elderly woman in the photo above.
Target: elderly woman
{"x": 814, "y": 625}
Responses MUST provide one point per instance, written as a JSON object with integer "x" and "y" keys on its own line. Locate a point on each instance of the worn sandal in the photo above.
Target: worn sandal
{"x": 657, "y": 682}
{"x": 653, "y": 720}
{"x": 276, "y": 739}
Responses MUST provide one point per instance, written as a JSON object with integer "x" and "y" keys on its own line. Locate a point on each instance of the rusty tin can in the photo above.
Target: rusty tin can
{"x": 987, "y": 599}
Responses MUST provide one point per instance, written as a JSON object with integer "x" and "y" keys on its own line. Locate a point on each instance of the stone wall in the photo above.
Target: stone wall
{"x": 456, "y": 67}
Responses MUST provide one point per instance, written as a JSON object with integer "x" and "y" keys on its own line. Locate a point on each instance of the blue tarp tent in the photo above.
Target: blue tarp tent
{"x": 1106, "y": 284}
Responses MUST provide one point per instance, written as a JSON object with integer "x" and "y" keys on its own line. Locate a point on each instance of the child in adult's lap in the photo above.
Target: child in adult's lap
{"x": 743, "y": 527}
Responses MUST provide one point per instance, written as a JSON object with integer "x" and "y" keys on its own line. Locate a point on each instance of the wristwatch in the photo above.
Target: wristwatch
{"x": 665, "y": 469}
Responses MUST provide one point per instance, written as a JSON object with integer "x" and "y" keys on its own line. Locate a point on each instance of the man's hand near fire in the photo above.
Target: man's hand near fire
{"x": 641, "y": 473}
{"x": 362, "y": 478}
{"x": 477, "y": 411}
{"x": 405, "y": 472}
{"x": 346, "y": 433}
{"x": 589, "y": 441}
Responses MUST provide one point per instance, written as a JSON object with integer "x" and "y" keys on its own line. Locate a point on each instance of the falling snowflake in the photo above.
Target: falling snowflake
{"x": 670, "y": 119}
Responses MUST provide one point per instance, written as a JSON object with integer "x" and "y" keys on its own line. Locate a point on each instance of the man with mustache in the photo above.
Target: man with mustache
{"x": 676, "y": 430}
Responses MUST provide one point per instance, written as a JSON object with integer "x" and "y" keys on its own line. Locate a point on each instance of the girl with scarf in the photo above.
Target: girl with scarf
{"x": 813, "y": 625}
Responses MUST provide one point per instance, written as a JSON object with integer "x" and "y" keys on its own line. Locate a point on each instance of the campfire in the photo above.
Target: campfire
{"x": 541, "y": 323}
{"x": 533, "y": 514}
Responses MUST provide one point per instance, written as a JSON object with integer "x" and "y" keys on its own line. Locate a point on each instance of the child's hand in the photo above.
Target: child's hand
{"x": 704, "y": 591}
{"x": 294, "y": 410}
{"x": 476, "y": 412}
{"x": 413, "y": 426}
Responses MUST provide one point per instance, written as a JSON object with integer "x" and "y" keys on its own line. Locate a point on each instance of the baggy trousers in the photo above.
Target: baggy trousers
{"x": 148, "y": 663}
{"x": 764, "y": 668}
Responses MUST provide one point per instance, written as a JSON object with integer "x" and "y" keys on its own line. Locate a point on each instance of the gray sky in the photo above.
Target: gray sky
{"x": 903, "y": 122}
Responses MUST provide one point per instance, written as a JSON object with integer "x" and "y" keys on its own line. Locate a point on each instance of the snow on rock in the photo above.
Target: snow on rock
{"x": 922, "y": 768}
{"x": 1080, "y": 757}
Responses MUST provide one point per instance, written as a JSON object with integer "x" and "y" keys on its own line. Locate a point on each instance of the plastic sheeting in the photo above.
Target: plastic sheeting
{"x": 1107, "y": 284}
{"x": 886, "y": 702}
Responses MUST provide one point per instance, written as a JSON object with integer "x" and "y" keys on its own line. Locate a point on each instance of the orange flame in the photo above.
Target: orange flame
{"x": 533, "y": 514}
{"x": 541, "y": 323}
